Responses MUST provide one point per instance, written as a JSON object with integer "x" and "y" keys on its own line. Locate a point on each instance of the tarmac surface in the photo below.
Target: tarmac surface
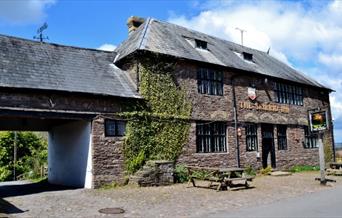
{"x": 298, "y": 195}
{"x": 321, "y": 204}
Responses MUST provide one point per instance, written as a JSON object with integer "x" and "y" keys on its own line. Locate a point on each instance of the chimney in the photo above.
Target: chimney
{"x": 133, "y": 23}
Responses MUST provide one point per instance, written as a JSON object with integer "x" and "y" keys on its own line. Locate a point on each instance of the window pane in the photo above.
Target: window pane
{"x": 121, "y": 128}
{"x": 110, "y": 128}
{"x": 211, "y": 137}
{"x": 288, "y": 94}
{"x": 251, "y": 137}
{"x": 310, "y": 140}
{"x": 115, "y": 128}
{"x": 209, "y": 82}
{"x": 282, "y": 139}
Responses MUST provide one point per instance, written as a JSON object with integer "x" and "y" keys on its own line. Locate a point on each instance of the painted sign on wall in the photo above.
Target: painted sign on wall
{"x": 269, "y": 107}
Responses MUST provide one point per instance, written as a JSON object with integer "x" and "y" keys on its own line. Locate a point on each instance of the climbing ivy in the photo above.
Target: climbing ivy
{"x": 159, "y": 129}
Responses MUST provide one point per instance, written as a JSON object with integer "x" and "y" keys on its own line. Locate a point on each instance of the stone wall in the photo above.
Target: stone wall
{"x": 154, "y": 173}
{"x": 108, "y": 158}
{"x": 220, "y": 108}
{"x": 54, "y": 100}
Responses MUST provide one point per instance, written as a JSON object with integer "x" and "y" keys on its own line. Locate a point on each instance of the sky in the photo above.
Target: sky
{"x": 307, "y": 35}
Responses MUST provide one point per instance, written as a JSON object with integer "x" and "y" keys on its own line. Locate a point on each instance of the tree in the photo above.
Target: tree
{"x": 31, "y": 155}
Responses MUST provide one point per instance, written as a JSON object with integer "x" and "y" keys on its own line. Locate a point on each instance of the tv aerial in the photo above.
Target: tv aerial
{"x": 241, "y": 32}
{"x": 40, "y": 35}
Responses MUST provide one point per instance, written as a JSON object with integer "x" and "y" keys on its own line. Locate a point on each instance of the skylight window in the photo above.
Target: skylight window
{"x": 201, "y": 44}
{"x": 247, "y": 56}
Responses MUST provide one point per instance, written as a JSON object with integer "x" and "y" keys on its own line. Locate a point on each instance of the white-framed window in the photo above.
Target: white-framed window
{"x": 211, "y": 137}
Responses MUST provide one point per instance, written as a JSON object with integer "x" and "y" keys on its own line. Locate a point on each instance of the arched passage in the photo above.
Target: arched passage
{"x": 69, "y": 143}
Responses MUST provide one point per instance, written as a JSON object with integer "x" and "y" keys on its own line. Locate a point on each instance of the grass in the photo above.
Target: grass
{"x": 40, "y": 179}
{"x": 303, "y": 168}
{"x": 108, "y": 186}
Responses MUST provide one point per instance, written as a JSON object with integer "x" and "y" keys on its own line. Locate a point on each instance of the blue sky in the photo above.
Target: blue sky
{"x": 86, "y": 23}
{"x": 305, "y": 34}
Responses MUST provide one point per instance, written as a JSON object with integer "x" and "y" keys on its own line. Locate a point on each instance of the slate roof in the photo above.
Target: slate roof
{"x": 170, "y": 39}
{"x": 34, "y": 65}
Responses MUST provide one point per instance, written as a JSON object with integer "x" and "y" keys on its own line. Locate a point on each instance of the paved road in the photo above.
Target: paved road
{"x": 321, "y": 204}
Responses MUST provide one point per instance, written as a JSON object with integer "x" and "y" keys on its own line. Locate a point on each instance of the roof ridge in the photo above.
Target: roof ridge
{"x": 144, "y": 32}
{"x": 53, "y": 44}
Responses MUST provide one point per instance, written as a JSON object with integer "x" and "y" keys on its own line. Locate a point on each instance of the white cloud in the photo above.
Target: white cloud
{"x": 334, "y": 60}
{"x": 107, "y": 47}
{"x": 286, "y": 27}
{"x": 306, "y": 35}
{"x": 23, "y": 11}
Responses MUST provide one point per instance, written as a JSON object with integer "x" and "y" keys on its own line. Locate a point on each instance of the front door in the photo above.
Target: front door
{"x": 268, "y": 145}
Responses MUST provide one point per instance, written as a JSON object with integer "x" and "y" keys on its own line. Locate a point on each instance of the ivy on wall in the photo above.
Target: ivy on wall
{"x": 159, "y": 129}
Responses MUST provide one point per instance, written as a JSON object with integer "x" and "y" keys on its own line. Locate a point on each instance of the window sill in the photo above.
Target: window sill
{"x": 211, "y": 153}
{"x": 209, "y": 95}
{"x": 289, "y": 104}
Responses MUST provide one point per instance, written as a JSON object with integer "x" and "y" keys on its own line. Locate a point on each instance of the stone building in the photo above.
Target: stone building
{"x": 271, "y": 99}
{"x": 248, "y": 108}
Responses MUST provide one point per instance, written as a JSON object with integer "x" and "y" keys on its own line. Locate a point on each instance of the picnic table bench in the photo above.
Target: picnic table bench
{"x": 223, "y": 176}
{"x": 336, "y": 165}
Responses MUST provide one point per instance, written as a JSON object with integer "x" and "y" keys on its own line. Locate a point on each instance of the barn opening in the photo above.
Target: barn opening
{"x": 69, "y": 143}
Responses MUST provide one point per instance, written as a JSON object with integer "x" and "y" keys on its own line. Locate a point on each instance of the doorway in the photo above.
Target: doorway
{"x": 268, "y": 145}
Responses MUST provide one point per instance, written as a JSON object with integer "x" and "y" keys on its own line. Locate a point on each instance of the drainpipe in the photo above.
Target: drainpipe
{"x": 235, "y": 124}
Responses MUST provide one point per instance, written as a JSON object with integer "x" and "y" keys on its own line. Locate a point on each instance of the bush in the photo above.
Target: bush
{"x": 31, "y": 155}
{"x": 181, "y": 174}
{"x": 266, "y": 171}
{"x": 249, "y": 170}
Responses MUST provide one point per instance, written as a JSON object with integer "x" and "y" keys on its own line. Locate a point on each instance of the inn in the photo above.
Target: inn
{"x": 248, "y": 108}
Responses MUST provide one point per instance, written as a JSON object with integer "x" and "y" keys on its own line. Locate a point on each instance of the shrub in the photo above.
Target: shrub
{"x": 249, "y": 170}
{"x": 266, "y": 171}
{"x": 181, "y": 174}
{"x": 111, "y": 185}
{"x": 31, "y": 155}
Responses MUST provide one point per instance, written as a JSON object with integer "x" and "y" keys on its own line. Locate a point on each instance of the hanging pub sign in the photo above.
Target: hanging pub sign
{"x": 318, "y": 120}
{"x": 251, "y": 93}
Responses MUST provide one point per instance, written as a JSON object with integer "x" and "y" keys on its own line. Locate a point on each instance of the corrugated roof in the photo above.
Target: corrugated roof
{"x": 170, "y": 39}
{"x": 30, "y": 64}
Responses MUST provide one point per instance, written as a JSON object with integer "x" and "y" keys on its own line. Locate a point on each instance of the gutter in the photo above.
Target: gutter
{"x": 235, "y": 123}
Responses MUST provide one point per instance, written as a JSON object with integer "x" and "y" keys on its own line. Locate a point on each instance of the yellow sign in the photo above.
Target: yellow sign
{"x": 265, "y": 107}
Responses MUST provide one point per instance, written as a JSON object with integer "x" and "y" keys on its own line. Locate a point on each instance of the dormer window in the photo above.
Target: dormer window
{"x": 201, "y": 44}
{"x": 247, "y": 56}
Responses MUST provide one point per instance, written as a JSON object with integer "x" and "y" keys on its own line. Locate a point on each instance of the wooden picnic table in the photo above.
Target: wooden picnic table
{"x": 224, "y": 176}
{"x": 336, "y": 165}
